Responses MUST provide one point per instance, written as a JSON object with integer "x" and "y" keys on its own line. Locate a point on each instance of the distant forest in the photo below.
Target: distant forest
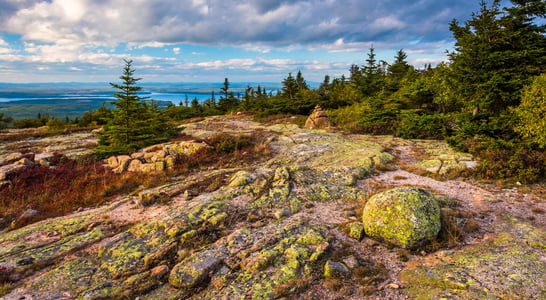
{"x": 488, "y": 99}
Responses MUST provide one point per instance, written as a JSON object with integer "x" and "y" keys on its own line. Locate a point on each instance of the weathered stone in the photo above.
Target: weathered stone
{"x": 318, "y": 119}
{"x": 24, "y": 162}
{"x": 186, "y": 147}
{"x": 194, "y": 270}
{"x": 138, "y": 155}
{"x": 509, "y": 265}
{"x": 10, "y": 157}
{"x": 152, "y": 167}
{"x": 240, "y": 178}
{"x": 170, "y": 161}
{"x": 43, "y": 159}
{"x": 112, "y": 162}
{"x": 123, "y": 162}
{"x": 355, "y": 230}
{"x": 405, "y": 217}
{"x": 7, "y": 170}
{"x": 135, "y": 166}
{"x": 336, "y": 270}
{"x": 282, "y": 213}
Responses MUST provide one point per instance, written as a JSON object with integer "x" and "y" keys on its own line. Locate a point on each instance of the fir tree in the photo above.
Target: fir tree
{"x": 133, "y": 123}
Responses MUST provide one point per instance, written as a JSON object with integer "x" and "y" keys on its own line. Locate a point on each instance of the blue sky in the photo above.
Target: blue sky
{"x": 207, "y": 40}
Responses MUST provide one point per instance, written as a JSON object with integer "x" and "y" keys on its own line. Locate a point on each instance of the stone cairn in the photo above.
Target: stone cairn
{"x": 318, "y": 119}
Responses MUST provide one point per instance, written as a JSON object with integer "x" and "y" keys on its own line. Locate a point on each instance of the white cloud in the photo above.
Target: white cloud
{"x": 263, "y": 65}
{"x": 419, "y": 62}
{"x": 97, "y": 34}
{"x": 262, "y": 23}
{"x": 152, "y": 44}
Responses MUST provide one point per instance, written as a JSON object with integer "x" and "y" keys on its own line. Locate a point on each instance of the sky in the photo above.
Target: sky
{"x": 208, "y": 40}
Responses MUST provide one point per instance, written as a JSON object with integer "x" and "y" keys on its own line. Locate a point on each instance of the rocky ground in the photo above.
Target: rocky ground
{"x": 287, "y": 228}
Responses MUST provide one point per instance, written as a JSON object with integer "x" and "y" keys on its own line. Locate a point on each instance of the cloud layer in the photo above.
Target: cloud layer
{"x": 87, "y": 31}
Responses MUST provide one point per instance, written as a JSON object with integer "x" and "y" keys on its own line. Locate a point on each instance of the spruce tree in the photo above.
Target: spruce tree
{"x": 289, "y": 87}
{"x": 134, "y": 124}
{"x": 497, "y": 53}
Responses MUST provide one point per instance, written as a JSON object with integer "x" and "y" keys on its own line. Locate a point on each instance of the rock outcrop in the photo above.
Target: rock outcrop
{"x": 40, "y": 150}
{"x": 155, "y": 158}
{"x": 318, "y": 119}
{"x": 286, "y": 226}
{"x": 405, "y": 217}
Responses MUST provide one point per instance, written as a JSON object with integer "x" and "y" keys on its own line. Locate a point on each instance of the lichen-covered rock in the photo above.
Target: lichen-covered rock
{"x": 7, "y": 157}
{"x": 405, "y": 217}
{"x": 134, "y": 166}
{"x": 194, "y": 270}
{"x": 509, "y": 265}
{"x": 355, "y": 230}
{"x": 440, "y": 158}
{"x": 240, "y": 178}
{"x": 337, "y": 270}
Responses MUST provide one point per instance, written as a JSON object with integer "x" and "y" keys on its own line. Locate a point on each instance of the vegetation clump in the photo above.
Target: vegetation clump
{"x": 134, "y": 123}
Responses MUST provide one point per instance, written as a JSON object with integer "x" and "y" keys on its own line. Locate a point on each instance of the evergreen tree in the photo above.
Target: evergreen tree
{"x": 371, "y": 80}
{"x": 496, "y": 54}
{"x": 225, "y": 88}
{"x": 289, "y": 87}
{"x": 133, "y": 124}
{"x": 301, "y": 83}
{"x": 4, "y": 121}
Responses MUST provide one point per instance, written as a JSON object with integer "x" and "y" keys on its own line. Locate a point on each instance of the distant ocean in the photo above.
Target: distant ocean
{"x": 175, "y": 98}
{"x": 72, "y": 100}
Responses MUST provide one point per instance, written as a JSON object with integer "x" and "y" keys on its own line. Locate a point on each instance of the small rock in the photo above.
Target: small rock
{"x": 24, "y": 162}
{"x": 159, "y": 271}
{"x": 337, "y": 270}
{"x": 351, "y": 262}
{"x": 281, "y": 213}
{"x": 393, "y": 286}
{"x": 350, "y": 214}
{"x": 405, "y": 217}
{"x": 193, "y": 270}
{"x": 356, "y": 230}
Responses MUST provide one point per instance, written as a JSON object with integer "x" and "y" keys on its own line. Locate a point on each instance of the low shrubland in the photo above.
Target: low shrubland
{"x": 69, "y": 185}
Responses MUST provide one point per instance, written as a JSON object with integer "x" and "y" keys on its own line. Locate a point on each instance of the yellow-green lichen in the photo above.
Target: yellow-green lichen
{"x": 405, "y": 217}
{"x": 474, "y": 272}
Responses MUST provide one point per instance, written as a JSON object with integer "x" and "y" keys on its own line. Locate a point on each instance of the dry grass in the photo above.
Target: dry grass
{"x": 87, "y": 183}
{"x": 537, "y": 210}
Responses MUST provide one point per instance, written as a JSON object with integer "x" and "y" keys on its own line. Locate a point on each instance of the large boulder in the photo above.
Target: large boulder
{"x": 405, "y": 217}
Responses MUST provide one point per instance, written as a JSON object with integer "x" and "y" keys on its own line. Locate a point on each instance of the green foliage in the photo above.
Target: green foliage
{"x": 501, "y": 159}
{"x": 4, "y": 121}
{"x": 134, "y": 123}
{"x": 27, "y": 123}
{"x": 496, "y": 55}
{"x": 532, "y": 112}
{"x": 364, "y": 118}
{"x": 414, "y": 124}
{"x": 55, "y": 125}
{"x": 98, "y": 117}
